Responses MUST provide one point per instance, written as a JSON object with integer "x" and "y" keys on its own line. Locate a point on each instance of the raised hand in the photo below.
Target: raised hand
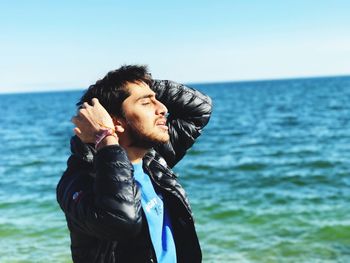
{"x": 91, "y": 121}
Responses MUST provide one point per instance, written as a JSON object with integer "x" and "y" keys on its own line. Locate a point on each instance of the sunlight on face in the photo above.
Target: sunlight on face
{"x": 145, "y": 116}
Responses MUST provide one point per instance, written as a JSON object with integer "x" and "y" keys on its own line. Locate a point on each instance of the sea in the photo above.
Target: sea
{"x": 268, "y": 180}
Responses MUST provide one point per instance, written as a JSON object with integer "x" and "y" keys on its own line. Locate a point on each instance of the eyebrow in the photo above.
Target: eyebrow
{"x": 145, "y": 97}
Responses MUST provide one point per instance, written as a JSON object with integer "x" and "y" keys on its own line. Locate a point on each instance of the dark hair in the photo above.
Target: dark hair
{"x": 112, "y": 90}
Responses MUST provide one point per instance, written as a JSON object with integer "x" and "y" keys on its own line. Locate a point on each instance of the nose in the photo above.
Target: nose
{"x": 161, "y": 109}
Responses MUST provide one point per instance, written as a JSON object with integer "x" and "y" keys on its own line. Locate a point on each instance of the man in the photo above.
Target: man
{"x": 120, "y": 197}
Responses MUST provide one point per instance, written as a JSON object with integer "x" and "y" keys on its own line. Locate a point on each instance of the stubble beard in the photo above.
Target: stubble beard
{"x": 143, "y": 140}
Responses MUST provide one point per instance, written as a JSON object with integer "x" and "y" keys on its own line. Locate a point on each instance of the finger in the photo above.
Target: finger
{"x": 94, "y": 101}
{"x": 86, "y": 105}
{"x": 77, "y": 131}
{"x": 81, "y": 113}
{"x": 74, "y": 119}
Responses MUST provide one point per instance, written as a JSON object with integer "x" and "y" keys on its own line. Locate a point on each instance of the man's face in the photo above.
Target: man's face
{"x": 145, "y": 117}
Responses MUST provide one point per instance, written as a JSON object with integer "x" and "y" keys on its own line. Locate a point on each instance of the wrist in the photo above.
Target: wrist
{"x": 106, "y": 141}
{"x": 106, "y": 137}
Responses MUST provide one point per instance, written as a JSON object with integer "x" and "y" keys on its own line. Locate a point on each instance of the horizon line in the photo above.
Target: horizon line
{"x": 74, "y": 89}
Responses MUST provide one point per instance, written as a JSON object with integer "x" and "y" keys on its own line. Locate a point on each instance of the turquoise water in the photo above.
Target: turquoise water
{"x": 268, "y": 180}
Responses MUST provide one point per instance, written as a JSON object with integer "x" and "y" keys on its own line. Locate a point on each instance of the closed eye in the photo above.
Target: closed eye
{"x": 146, "y": 101}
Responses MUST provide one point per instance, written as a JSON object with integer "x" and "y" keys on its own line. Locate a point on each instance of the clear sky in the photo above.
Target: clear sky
{"x": 51, "y": 45}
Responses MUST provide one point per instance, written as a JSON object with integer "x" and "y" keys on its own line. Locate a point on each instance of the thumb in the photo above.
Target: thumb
{"x": 77, "y": 131}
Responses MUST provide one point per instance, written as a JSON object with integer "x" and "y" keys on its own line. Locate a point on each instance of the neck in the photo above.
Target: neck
{"x": 135, "y": 154}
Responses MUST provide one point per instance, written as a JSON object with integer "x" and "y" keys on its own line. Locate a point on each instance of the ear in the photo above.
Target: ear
{"x": 119, "y": 124}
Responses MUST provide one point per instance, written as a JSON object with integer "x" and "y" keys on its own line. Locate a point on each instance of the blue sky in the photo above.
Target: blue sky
{"x": 52, "y": 45}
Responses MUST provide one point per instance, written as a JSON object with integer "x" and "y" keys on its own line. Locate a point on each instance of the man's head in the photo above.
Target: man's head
{"x": 125, "y": 93}
{"x": 112, "y": 90}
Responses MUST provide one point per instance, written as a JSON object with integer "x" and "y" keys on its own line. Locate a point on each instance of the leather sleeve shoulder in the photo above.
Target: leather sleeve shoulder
{"x": 189, "y": 111}
{"x": 106, "y": 206}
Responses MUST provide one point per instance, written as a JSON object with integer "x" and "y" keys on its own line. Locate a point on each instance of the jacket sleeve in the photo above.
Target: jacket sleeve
{"x": 189, "y": 111}
{"x": 108, "y": 206}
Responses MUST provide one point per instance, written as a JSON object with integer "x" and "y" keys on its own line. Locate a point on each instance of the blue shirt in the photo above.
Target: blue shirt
{"x": 157, "y": 216}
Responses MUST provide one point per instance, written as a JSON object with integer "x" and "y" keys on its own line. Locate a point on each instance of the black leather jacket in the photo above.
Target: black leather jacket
{"x": 102, "y": 203}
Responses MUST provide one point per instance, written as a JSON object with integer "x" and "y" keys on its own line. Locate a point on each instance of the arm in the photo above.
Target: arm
{"x": 108, "y": 206}
{"x": 189, "y": 111}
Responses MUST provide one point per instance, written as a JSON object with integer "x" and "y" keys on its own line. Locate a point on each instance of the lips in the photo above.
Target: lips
{"x": 162, "y": 123}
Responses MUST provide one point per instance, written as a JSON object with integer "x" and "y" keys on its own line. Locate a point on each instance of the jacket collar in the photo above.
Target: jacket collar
{"x": 86, "y": 152}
